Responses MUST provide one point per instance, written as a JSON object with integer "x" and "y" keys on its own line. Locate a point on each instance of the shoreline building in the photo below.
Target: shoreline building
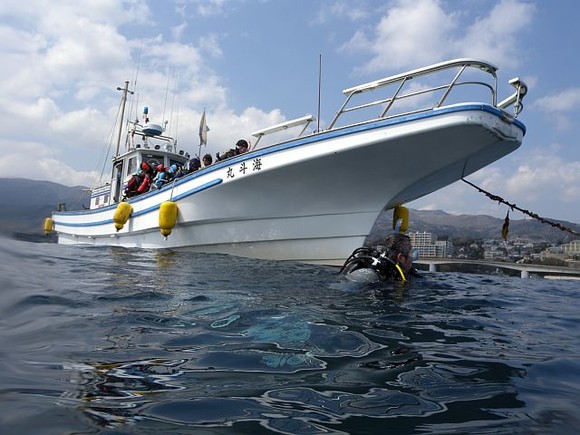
{"x": 571, "y": 249}
{"x": 445, "y": 248}
{"x": 428, "y": 245}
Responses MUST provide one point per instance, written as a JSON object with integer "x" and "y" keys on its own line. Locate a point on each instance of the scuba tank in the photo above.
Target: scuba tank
{"x": 369, "y": 265}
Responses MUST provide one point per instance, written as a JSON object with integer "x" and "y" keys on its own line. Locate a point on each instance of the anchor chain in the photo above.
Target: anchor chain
{"x": 526, "y": 212}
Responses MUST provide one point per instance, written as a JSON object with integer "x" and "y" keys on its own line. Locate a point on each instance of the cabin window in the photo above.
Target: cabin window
{"x": 175, "y": 162}
{"x": 132, "y": 166}
{"x": 153, "y": 159}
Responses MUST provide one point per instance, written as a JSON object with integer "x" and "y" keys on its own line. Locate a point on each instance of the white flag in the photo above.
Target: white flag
{"x": 203, "y": 129}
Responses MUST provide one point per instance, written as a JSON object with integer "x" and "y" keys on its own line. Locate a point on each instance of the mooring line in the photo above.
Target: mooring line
{"x": 526, "y": 212}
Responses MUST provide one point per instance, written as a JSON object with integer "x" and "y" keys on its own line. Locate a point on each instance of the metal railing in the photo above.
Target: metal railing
{"x": 402, "y": 82}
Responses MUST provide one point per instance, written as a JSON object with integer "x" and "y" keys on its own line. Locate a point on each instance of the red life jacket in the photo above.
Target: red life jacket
{"x": 132, "y": 185}
{"x": 144, "y": 187}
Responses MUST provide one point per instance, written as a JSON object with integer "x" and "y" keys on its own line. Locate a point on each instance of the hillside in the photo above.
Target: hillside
{"x": 483, "y": 227}
{"x": 28, "y": 202}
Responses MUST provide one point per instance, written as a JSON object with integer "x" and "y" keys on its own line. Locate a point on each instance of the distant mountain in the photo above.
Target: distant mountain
{"x": 484, "y": 227}
{"x": 27, "y": 202}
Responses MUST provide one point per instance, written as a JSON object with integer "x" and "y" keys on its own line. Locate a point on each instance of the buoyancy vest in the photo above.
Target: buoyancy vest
{"x": 145, "y": 184}
{"x": 133, "y": 185}
{"x": 369, "y": 258}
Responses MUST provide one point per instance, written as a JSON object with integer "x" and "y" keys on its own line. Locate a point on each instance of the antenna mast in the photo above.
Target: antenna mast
{"x": 122, "y": 115}
{"x": 319, "y": 91}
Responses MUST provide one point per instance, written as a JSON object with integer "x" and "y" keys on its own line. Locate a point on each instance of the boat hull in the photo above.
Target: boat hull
{"x": 312, "y": 199}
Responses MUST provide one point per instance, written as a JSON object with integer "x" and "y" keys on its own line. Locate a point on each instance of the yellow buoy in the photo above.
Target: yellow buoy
{"x": 122, "y": 214}
{"x": 167, "y": 217}
{"x": 400, "y": 219}
{"x": 47, "y": 226}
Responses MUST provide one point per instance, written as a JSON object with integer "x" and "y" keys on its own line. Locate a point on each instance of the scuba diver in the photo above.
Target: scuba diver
{"x": 391, "y": 261}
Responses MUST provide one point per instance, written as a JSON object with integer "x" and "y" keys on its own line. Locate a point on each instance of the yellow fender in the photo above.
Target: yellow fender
{"x": 167, "y": 217}
{"x": 122, "y": 214}
{"x": 400, "y": 219}
{"x": 47, "y": 226}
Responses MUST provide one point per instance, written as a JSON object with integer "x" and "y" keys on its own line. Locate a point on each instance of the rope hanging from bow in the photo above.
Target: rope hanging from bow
{"x": 515, "y": 207}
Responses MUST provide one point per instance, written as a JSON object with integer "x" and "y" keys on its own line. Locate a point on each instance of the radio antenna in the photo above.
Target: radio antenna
{"x": 319, "y": 91}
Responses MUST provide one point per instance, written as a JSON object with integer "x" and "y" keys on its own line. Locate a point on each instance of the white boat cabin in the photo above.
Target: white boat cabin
{"x": 144, "y": 144}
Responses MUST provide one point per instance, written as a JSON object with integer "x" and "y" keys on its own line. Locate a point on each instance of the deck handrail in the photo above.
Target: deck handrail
{"x": 404, "y": 78}
{"x": 303, "y": 121}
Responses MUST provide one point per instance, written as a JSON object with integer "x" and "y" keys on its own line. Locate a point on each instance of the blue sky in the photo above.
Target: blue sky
{"x": 252, "y": 64}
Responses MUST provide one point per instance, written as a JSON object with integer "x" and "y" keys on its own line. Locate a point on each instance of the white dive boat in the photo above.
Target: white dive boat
{"x": 313, "y": 198}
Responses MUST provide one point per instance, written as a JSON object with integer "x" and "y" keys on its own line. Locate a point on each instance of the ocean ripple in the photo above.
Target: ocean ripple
{"x": 111, "y": 340}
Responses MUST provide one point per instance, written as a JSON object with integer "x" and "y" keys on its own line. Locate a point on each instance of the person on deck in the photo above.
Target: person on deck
{"x": 191, "y": 165}
{"x": 391, "y": 261}
{"x": 161, "y": 177}
{"x": 242, "y": 146}
{"x": 173, "y": 172}
{"x": 139, "y": 183}
{"x": 207, "y": 160}
{"x": 132, "y": 185}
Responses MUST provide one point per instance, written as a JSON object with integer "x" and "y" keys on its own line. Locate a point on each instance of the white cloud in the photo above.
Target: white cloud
{"x": 227, "y": 127}
{"x": 210, "y": 44}
{"x": 207, "y": 8}
{"x": 83, "y": 125}
{"x": 564, "y": 101}
{"x": 94, "y": 48}
{"x": 59, "y": 46}
{"x": 349, "y": 9}
{"x": 413, "y": 34}
{"x": 32, "y": 112}
{"x": 62, "y": 94}
{"x": 50, "y": 16}
{"x": 546, "y": 176}
{"x": 561, "y": 108}
{"x": 177, "y": 31}
{"x": 545, "y": 184}
{"x": 45, "y": 165}
{"x": 496, "y": 37}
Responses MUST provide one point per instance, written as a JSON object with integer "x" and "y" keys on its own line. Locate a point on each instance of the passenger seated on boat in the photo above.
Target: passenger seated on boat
{"x": 191, "y": 165}
{"x": 161, "y": 177}
{"x": 241, "y": 147}
{"x": 174, "y": 172}
{"x": 137, "y": 184}
{"x": 207, "y": 160}
{"x": 391, "y": 261}
{"x": 226, "y": 155}
{"x": 146, "y": 183}
{"x": 148, "y": 168}
{"x": 132, "y": 185}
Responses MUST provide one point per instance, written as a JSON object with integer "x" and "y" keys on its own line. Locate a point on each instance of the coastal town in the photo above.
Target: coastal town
{"x": 516, "y": 250}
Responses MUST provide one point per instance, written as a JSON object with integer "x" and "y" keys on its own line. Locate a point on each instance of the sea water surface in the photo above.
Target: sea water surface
{"x": 115, "y": 341}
